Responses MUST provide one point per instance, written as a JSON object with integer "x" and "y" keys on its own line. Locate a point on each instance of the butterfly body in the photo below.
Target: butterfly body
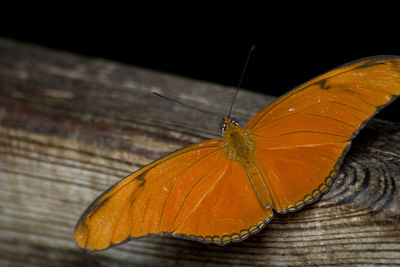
{"x": 239, "y": 146}
{"x": 222, "y": 191}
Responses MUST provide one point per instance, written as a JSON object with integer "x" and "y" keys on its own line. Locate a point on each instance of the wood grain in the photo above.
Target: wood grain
{"x": 72, "y": 126}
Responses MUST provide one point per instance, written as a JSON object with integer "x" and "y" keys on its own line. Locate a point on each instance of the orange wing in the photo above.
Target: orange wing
{"x": 302, "y": 137}
{"x": 179, "y": 195}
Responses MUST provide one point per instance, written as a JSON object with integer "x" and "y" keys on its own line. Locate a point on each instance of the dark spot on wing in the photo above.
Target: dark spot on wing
{"x": 370, "y": 64}
{"x": 96, "y": 206}
{"x": 142, "y": 183}
{"x": 323, "y": 85}
{"x": 141, "y": 177}
{"x": 83, "y": 224}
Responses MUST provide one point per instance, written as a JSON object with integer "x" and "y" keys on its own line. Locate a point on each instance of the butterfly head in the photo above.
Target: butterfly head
{"x": 228, "y": 123}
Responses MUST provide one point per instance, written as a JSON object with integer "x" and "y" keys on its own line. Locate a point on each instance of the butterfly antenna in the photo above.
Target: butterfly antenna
{"x": 241, "y": 78}
{"x": 188, "y": 106}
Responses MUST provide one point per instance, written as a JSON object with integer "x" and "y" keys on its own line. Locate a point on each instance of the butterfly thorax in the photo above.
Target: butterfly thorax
{"x": 239, "y": 146}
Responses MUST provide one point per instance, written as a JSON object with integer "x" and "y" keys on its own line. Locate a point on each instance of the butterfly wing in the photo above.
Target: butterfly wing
{"x": 302, "y": 137}
{"x": 195, "y": 193}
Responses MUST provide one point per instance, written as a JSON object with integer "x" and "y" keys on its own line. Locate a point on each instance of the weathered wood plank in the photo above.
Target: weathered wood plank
{"x": 72, "y": 126}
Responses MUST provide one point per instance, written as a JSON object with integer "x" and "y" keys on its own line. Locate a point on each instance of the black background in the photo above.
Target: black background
{"x": 290, "y": 48}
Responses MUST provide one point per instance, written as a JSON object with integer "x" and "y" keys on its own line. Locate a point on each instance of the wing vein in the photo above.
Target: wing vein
{"x": 299, "y": 89}
{"x": 349, "y": 106}
{"x": 364, "y": 101}
{"x": 205, "y": 194}
{"x": 176, "y": 178}
{"x": 283, "y": 117}
{"x": 146, "y": 169}
{"x": 144, "y": 214}
{"x": 330, "y": 118}
{"x": 171, "y": 156}
{"x": 276, "y": 103}
{"x": 191, "y": 189}
{"x": 298, "y": 146}
{"x": 296, "y": 132}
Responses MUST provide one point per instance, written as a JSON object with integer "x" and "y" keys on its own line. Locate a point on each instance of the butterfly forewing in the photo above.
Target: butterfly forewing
{"x": 195, "y": 193}
{"x": 302, "y": 137}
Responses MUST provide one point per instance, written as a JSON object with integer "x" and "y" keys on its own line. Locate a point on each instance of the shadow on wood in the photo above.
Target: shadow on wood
{"x": 70, "y": 127}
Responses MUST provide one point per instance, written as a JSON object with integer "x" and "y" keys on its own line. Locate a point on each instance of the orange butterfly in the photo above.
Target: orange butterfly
{"x": 224, "y": 190}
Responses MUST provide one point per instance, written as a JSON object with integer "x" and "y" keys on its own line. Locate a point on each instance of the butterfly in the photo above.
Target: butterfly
{"x": 222, "y": 191}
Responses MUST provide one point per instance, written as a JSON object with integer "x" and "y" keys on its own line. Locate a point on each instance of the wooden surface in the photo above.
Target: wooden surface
{"x": 71, "y": 126}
